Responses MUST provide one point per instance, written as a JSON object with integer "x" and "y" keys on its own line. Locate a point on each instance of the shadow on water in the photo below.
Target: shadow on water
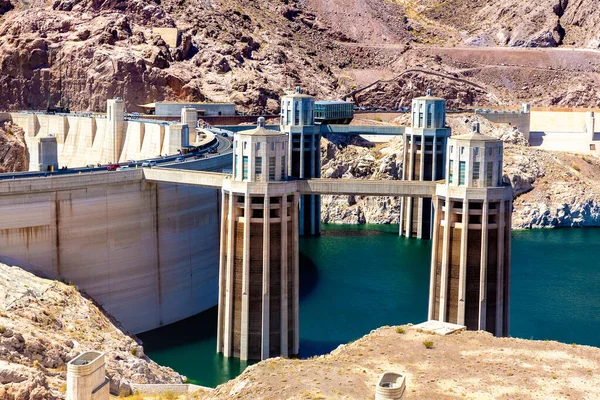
{"x": 199, "y": 327}
{"x": 309, "y": 276}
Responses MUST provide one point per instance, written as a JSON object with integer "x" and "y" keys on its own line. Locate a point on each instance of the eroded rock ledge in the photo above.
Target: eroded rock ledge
{"x": 44, "y": 324}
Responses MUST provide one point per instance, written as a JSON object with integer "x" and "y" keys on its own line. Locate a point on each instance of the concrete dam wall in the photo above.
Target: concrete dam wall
{"x": 85, "y": 139}
{"x": 147, "y": 252}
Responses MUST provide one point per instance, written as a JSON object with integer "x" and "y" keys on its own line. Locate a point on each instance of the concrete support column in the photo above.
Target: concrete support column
{"x": 508, "y": 262}
{"x": 409, "y": 216}
{"x": 403, "y": 199}
{"x": 434, "y": 148}
{"x": 296, "y": 261}
{"x": 266, "y": 277}
{"x": 284, "y": 281}
{"x": 462, "y": 282}
{"x": 302, "y": 172}
{"x": 483, "y": 271}
{"x": 434, "y": 256}
{"x": 445, "y": 260}
{"x": 222, "y": 269}
{"x": 500, "y": 276}
{"x": 228, "y": 326}
{"x": 419, "y": 201}
{"x": 245, "y": 280}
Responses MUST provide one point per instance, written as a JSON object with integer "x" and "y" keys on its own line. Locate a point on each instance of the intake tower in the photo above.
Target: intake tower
{"x": 470, "y": 260}
{"x": 304, "y": 161}
{"x": 258, "y": 279}
{"x": 423, "y": 159}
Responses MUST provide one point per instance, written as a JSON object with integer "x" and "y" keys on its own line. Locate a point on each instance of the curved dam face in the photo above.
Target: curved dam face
{"x": 147, "y": 252}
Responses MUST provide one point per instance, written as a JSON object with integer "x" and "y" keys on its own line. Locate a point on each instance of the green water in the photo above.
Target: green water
{"x": 356, "y": 278}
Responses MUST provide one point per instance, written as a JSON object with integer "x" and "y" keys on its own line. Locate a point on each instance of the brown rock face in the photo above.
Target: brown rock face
{"x": 104, "y": 49}
{"x": 13, "y": 151}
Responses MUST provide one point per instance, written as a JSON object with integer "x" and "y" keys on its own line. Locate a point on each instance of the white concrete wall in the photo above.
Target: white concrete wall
{"x": 558, "y": 121}
{"x": 86, "y": 140}
{"x": 148, "y": 253}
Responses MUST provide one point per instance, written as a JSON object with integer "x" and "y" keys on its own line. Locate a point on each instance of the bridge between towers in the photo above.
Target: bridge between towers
{"x": 355, "y": 187}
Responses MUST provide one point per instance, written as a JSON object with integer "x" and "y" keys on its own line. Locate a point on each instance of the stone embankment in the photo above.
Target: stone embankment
{"x": 464, "y": 365}
{"x": 44, "y": 324}
{"x": 552, "y": 189}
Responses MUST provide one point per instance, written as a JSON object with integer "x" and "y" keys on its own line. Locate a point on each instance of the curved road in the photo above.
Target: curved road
{"x": 222, "y": 146}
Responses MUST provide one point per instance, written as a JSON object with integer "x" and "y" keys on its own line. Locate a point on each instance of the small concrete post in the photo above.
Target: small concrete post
{"x": 86, "y": 378}
{"x": 390, "y": 386}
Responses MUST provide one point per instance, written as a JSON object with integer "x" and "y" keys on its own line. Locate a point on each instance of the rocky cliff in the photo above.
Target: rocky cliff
{"x": 44, "y": 324}
{"x": 249, "y": 52}
{"x": 552, "y": 189}
{"x": 13, "y": 150}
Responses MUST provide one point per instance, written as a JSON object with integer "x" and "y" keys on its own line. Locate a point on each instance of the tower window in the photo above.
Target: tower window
{"x": 476, "y": 150}
{"x": 462, "y": 168}
{"x": 475, "y": 172}
{"x": 258, "y": 168}
{"x": 245, "y": 174}
{"x": 489, "y": 173}
{"x": 273, "y": 146}
{"x": 499, "y": 173}
{"x": 451, "y": 171}
{"x": 258, "y": 146}
{"x": 271, "y": 168}
{"x": 282, "y": 168}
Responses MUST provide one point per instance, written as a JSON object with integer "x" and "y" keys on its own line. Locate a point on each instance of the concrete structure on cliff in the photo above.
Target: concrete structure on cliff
{"x": 423, "y": 159}
{"x": 470, "y": 260}
{"x": 86, "y": 377}
{"x": 258, "y": 279}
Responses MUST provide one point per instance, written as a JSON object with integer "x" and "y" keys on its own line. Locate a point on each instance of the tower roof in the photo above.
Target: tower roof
{"x": 260, "y": 129}
{"x": 475, "y": 135}
{"x": 297, "y": 94}
{"x": 429, "y": 96}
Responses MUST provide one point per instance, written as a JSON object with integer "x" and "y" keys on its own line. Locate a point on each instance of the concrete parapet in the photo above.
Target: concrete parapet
{"x": 182, "y": 177}
{"x": 367, "y": 188}
{"x": 86, "y": 379}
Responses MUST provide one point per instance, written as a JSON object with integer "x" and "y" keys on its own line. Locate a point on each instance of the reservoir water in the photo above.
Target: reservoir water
{"x": 357, "y": 278}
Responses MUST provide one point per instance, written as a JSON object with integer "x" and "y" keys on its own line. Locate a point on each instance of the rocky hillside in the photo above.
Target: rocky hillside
{"x": 464, "y": 365}
{"x": 552, "y": 189}
{"x": 229, "y": 50}
{"x": 44, "y": 324}
{"x": 250, "y": 52}
{"x": 13, "y": 150}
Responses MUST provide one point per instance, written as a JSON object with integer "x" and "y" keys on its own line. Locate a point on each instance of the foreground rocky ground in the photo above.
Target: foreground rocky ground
{"x": 44, "y": 324}
{"x": 552, "y": 189}
{"x": 466, "y": 365}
